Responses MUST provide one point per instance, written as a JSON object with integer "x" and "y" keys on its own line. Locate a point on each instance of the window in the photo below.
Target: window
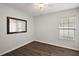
{"x": 15, "y": 25}
{"x": 67, "y": 28}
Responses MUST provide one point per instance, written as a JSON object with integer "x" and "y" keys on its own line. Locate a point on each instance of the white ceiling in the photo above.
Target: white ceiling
{"x": 52, "y": 7}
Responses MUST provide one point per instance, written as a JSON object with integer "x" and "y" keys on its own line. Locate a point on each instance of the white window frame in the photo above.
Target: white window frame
{"x": 68, "y": 28}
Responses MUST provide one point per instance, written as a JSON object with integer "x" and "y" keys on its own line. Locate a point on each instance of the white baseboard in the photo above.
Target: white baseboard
{"x": 58, "y": 45}
{"x": 32, "y": 41}
{"x": 14, "y": 48}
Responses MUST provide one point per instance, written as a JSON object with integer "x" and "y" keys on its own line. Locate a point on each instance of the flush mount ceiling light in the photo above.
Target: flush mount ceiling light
{"x": 40, "y": 5}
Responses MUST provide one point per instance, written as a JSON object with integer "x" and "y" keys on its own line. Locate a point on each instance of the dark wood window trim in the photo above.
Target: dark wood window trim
{"x": 8, "y": 25}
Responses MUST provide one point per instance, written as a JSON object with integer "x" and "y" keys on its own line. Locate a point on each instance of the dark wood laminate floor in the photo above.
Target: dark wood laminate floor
{"x": 42, "y": 49}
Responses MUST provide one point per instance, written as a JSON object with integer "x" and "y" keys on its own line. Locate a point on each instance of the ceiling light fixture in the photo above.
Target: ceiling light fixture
{"x": 40, "y": 5}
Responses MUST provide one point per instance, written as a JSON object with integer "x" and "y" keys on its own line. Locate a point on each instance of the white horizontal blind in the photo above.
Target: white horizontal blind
{"x": 20, "y": 26}
{"x": 17, "y": 26}
{"x": 12, "y": 25}
{"x": 67, "y": 27}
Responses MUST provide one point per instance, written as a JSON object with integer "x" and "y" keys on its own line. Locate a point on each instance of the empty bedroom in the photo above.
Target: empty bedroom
{"x": 39, "y": 29}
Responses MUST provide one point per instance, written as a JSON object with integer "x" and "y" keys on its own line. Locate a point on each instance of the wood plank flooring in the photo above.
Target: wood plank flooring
{"x": 41, "y": 49}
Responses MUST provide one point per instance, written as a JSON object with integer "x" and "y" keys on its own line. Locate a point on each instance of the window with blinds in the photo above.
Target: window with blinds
{"x": 67, "y": 28}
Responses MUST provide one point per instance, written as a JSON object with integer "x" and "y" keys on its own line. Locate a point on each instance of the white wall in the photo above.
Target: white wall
{"x": 46, "y": 27}
{"x": 12, "y": 41}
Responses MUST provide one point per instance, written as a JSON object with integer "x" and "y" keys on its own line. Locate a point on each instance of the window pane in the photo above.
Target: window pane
{"x": 19, "y": 29}
{"x": 12, "y": 26}
{"x": 61, "y": 34}
{"x": 71, "y": 34}
{"x": 65, "y": 34}
{"x": 19, "y": 24}
{"x": 72, "y": 25}
{"x": 65, "y": 25}
{"x": 72, "y": 19}
{"x": 65, "y": 20}
{"x": 23, "y": 25}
